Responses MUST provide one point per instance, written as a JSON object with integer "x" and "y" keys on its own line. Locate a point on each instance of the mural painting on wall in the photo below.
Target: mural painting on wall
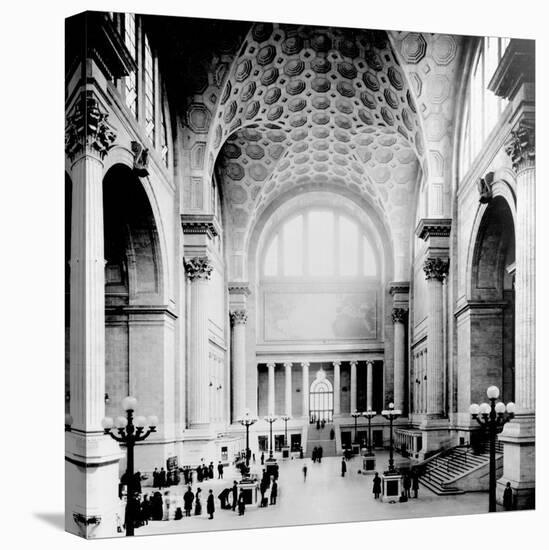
{"x": 317, "y": 316}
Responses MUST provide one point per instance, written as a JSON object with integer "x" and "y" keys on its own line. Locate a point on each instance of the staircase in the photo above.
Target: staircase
{"x": 457, "y": 470}
{"x": 321, "y": 438}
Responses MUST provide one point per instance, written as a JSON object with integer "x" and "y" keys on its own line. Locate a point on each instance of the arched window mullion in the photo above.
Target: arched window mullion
{"x": 337, "y": 249}
{"x": 305, "y": 257}
{"x": 280, "y": 266}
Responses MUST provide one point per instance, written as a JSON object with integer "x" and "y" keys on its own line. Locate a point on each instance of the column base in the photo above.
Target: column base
{"x": 519, "y": 466}
{"x": 435, "y": 435}
{"x": 92, "y": 475}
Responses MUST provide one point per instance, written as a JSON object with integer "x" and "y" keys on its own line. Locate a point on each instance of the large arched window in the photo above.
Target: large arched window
{"x": 319, "y": 243}
{"x": 483, "y": 108}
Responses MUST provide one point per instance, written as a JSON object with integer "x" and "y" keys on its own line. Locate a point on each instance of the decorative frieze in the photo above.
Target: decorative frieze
{"x": 399, "y": 315}
{"x": 239, "y": 317}
{"x": 87, "y": 128}
{"x": 436, "y": 268}
{"x": 200, "y": 224}
{"x": 433, "y": 227}
{"x": 140, "y": 159}
{"x": 521, "y": 145}
{"x": 198, "y": 268}
{"x": 239, "y": 288}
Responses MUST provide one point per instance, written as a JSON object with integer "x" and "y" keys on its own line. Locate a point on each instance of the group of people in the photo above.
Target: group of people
{"x": 316, "y": 455}
{"x": 268, "y": 482}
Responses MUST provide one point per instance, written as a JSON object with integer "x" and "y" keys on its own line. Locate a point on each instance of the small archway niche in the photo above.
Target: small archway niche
{"x": 493, "y": 303}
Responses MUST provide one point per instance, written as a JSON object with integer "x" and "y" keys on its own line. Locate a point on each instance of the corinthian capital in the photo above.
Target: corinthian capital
{"x": 239, "y": 317}
{"x": 198, "y": 268}
{"x": 87, "y": 128}
{"x": 399, "y": 315}
{"x": 436, "y": 268}
{"x": 521, "y": 145}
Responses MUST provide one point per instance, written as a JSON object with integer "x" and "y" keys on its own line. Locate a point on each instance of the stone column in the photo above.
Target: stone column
{"x": 271, "y": 388}
{"x": 239, "y": 318}
{"x": 288, "y": 388}
{"x": 305, "y": 390}
{"x": 399, "y": 323}
{"x": 337, "y": 388}
{"x": 353, "y": 385}
{"x": 91, "y": 467}
{"x": 519, "y": 435}
{"x": 369, "y": 385}
{"x": 199, "y": 270}
{"x": 436, "y": 270}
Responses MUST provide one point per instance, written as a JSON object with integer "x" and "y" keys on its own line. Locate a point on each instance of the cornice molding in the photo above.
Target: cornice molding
{"x": 399, "y": 287}
{"x": 200, "y": 224}
{"x": 237, "y": 288}
{"x": 433, "y": 227}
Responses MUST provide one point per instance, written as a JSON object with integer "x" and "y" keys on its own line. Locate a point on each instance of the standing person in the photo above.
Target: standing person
{"x": 407, "y": 482}
{"x": 262, "y": 458}
{"x": 162, "y": 478}
{"x": 197, "y": 503}
{"x": 343, "y": 467}
{"x": 210, "y": 505}
{"x": 241, "y": 504}
{"x": 220, "y": 470}
{"x": 508, "y": 497}
{"x": 155, "y": 478}
{"x": 211, "y": 470}
{"x": 301, "y": 452}
{"x": 415, "y": 482}
{"x": 188, "y": 498}
{"x": 319, "y": 454}
{"x": 376, "y": 485}
{"x": 318, "y": 424}
{"x": 274, "y": 492}
{"x": 332, "y": 434}
{"x": 234, "y": 491}
{"x": 305, "y": 472}
{"x": 253, "y": 457}
{"x": 313, "y": 455}
{"x": 262, "y": 490}
{"x": 156, "y": 506}
{"x": 166, "y": 507}
{"x": 145, "y": 510}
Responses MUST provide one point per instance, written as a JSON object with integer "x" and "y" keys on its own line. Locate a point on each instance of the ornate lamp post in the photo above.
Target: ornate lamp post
{"x": 270, "y": 419}
{"x": 369, "y": 414}
{"x": 492, "y": 417}
{"x": 130, "y": 432}
{"x": 247, "y": 420}
{"x": 355, "y": 415}
{"x": 286, "y": 417}
{"x": 391, "y": 415}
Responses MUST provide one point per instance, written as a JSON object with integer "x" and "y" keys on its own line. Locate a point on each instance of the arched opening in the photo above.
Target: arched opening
{"x": 321, "y": 399}
{"x": 493, "y": 303}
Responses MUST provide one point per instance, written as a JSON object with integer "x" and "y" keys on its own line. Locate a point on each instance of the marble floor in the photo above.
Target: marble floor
{"x": 324, "y": 497}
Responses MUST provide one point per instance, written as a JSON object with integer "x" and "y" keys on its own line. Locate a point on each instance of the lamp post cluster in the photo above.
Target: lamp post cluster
{"x": 356, "y": 415}
{"x": 369, "y": 414}
{"x": 492, "y": 417}
{"x": 285, "y": 418}
{"x": 247, "y": 420}
{"x": 391, "y": 414}
{"x": 130, "y": 431}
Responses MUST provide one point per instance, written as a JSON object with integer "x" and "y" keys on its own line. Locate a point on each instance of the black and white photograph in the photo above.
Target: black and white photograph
{"x": 299, "y": 261}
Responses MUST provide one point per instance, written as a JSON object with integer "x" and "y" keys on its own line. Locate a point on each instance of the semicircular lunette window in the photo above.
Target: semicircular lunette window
{"x": 319, "y": 244}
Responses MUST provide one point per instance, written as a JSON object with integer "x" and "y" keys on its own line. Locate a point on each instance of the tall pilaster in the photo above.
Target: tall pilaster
{"x": 271, "y": 388}
{"x": 305, "y": 390}
{"x": 399, "y": 320}
{"x": 435, "y": 271}
{"x": 199, "y": 271}
{"x": 369, "y": 385}
{"x": 337, "y": 387}
{"x": 288, "y": 388}
{"x": 353, "y": 385}
{"x": 239, "y": 318}
{"x": 89, "y": 491}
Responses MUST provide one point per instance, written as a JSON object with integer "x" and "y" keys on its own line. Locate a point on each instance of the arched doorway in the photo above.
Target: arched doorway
{"x": 321, "y": 399}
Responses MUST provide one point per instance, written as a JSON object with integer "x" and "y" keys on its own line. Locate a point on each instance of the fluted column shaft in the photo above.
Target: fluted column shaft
{"x": 87, "y": 297}
{"x": 369, "y": 385}
{"x": 435, "y": 271}
{"x": 525, "y": 305}
{"x": 288, "y": 388}
{"x": 305, "y": 391}
{"x": 399, "y": 320}
{"x": 199, "y": 271}
{"x": 353, "y": 386}
{"x": 271, "y": 388}
{"x": 337, "y": 387}
{"x": 239, "y": 318}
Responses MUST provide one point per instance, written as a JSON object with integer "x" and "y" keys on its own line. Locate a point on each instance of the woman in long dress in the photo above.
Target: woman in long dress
{"x": 197, "y": 502}
{"x": 166, "y": 506}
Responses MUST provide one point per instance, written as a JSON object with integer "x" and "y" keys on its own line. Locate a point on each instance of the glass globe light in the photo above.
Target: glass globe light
{"x": 391, "y": 405}
{"x": 485, "y": 408}
{"x": 121, "y": 422}
{"x": 107, "y": 423}
{"x": 140, "y": 421}
{"x": 129, "y": 403}
{"x": 500, "y": 407}
{"x": 152, "y": 421}
{"x": 474, "y": 408}
{"x": 492, "y": 392}
{"x": 511, "y": 407}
